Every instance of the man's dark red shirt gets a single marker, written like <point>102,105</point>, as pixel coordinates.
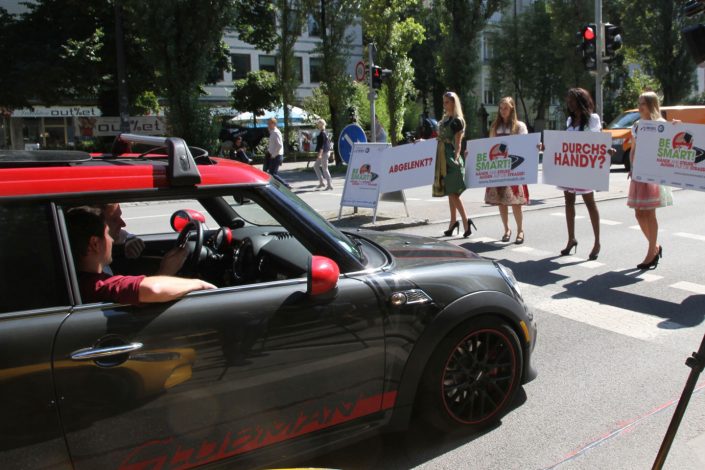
<point>102,287</point>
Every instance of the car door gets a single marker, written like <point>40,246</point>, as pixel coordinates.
<point>216,374</point>
<point>34,300</point>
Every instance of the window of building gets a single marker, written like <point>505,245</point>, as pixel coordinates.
<point>313,26</point>
<point>268,63</point>
<point>486,48</point>
<point>241,65</point>
<point>488,94</point>
<point>31,274</point>
<point>299,69</point>
<point>315,68</point>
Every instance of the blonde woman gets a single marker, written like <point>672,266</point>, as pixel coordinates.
<point>507,123</point>
<point>449,178</point>
<point>645,198</point>
<point>323,150</point>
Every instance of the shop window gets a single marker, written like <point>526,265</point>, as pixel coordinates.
<point>241,65</point>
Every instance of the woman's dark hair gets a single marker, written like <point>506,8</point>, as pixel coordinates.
<point>84,222</point>
<point>586,107</point>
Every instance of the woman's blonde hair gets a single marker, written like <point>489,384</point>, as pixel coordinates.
<point>512,125</point>
<point>457,108</point>
<point>652,102</point>
<point>321,123</point>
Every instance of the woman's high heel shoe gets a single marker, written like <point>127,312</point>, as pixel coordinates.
<point>594,254</point>
<point>453,228</point>
<point>653,264</point>
<point>471,225</point>
<point>569,248</point>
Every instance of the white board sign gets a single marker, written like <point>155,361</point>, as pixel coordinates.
<point>409,166</point>
<point>575,159</point>
<point>110,126</point>
<point>364,177</point>
<point>502,161</point>
<point>670,154</point>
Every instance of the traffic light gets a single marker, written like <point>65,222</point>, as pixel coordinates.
<point>613,41</point>
<point>378,76</point>
<point>588,46</point>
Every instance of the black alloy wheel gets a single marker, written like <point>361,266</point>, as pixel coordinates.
<point>472,376</point>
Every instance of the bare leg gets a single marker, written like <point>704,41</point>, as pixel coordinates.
<point>570,216</point>
<point>451,204</point>
<point>649,225</point>
<point>504,215</point>
<point>519,219</point>
<point>461,210</point>
<point>589,200</point>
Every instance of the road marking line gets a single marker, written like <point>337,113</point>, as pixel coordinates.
<point>691,236</point>
<point>531,251</point>
<point>606,317</point>
<point>591,264</point>
<point>609,222</point>
<point>568,259</point>
<point>482,239</point>
<point>562,214</point>
<point>689,287</point>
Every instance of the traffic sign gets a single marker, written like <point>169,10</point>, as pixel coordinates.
<point>351,134</point>
<point>360,71</point>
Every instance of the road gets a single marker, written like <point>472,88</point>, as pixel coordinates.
<point>611,346</point>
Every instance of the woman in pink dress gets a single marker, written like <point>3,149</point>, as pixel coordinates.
<point>507,123</point>
<point>645,198</point>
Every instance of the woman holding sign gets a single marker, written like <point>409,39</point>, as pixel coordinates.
<point>645,198</point>
<point>449,179</point>
<point>507,123</point>
<point>581,118</point>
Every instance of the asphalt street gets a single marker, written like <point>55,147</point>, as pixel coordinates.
<point>612,340</point>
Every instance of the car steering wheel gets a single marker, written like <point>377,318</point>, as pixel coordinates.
<point>191,262</point>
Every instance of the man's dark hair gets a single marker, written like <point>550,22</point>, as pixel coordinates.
<point>83,223</point>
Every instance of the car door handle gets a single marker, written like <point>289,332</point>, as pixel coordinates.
<point>97,353</point>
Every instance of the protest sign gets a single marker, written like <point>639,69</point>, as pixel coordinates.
<point>670,154</point>
<point>502,161</point>
<point>409,166</point>
<point>577,159</point>
<point>363,179</point>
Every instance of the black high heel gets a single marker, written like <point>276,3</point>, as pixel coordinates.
<point>594,254</point>
<point>471,225</point>
<point>569,248</point>
<point>653,264</point>
<point>453,228</point>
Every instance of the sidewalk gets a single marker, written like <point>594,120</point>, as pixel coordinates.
<point>423,209</point>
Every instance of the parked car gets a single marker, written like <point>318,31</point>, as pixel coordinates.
<point>313,337</point>
<point>620,128</point>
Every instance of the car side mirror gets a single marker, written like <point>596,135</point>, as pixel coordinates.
<point>322,276</point>
<point>183,217</point>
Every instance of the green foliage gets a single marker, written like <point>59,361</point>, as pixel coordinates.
<point>318,104</point>
<point>185,42</point>
<point>633,86</point>
<point>394,32</point>
<point>146,103</point>
<point>255,23</point>
<point>256,93</point>
<point>412,116</point>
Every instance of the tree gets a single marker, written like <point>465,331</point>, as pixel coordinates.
<point>394,33</point>
<point>465,19</point>
<point>256,93</point>
<point>336,18</point>
<point>424,56</point>
<point>185,41</point>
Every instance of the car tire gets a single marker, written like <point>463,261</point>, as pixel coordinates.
<point>626,161</point>
<point>472,376</point>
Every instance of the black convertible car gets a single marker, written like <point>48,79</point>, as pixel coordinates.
<point>313,337</point>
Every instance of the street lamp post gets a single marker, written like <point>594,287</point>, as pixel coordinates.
<point>123,104</point>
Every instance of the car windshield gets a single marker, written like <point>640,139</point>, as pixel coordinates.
<point>624,120</point>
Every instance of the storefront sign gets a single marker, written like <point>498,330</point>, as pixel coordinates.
<point>408,166</point>
<point>670,154</point>
<point>56,111</point>
<point>110,126</point>
<point>365,169</point>
<point>577,159</point>
<point>503,161</point>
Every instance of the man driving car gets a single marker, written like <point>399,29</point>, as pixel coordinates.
<point>131,245</point>
<point>92,245</point>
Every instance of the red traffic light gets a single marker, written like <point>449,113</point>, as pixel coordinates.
<point>588,33</point>
<point>377,72</point>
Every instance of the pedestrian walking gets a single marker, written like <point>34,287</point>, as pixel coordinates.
<point>581,117</point>
<point>275,151</point>
<point>645,198</point>
<point>449,179</point>
<point>323,152</point>
<point>507,123</point>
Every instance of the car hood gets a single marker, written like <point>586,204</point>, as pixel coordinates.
<point>412,251</point>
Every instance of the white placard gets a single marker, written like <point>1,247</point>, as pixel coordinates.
<point>409,166</point>
<point>502,161</point>
<point>56,111</point>
<point>110,126</point>
<point>670,154</point>
<point>364,177</point>
<point>575,159</point>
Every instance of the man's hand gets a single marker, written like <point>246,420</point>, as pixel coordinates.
<point>173,261</point>
<point>133,247</point>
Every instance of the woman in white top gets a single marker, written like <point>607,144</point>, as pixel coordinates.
<point>581,117</point>
<point>516,196</point>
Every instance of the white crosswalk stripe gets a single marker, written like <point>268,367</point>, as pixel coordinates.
<point>562,214</point>
<point>689,287</point>
<point>691,236</point>
<point>531,251</point>
<point>609,222</point>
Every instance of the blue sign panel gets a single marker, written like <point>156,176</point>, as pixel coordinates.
<point>351,134</point>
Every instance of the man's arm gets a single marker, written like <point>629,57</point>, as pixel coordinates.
<point>167,288</point>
